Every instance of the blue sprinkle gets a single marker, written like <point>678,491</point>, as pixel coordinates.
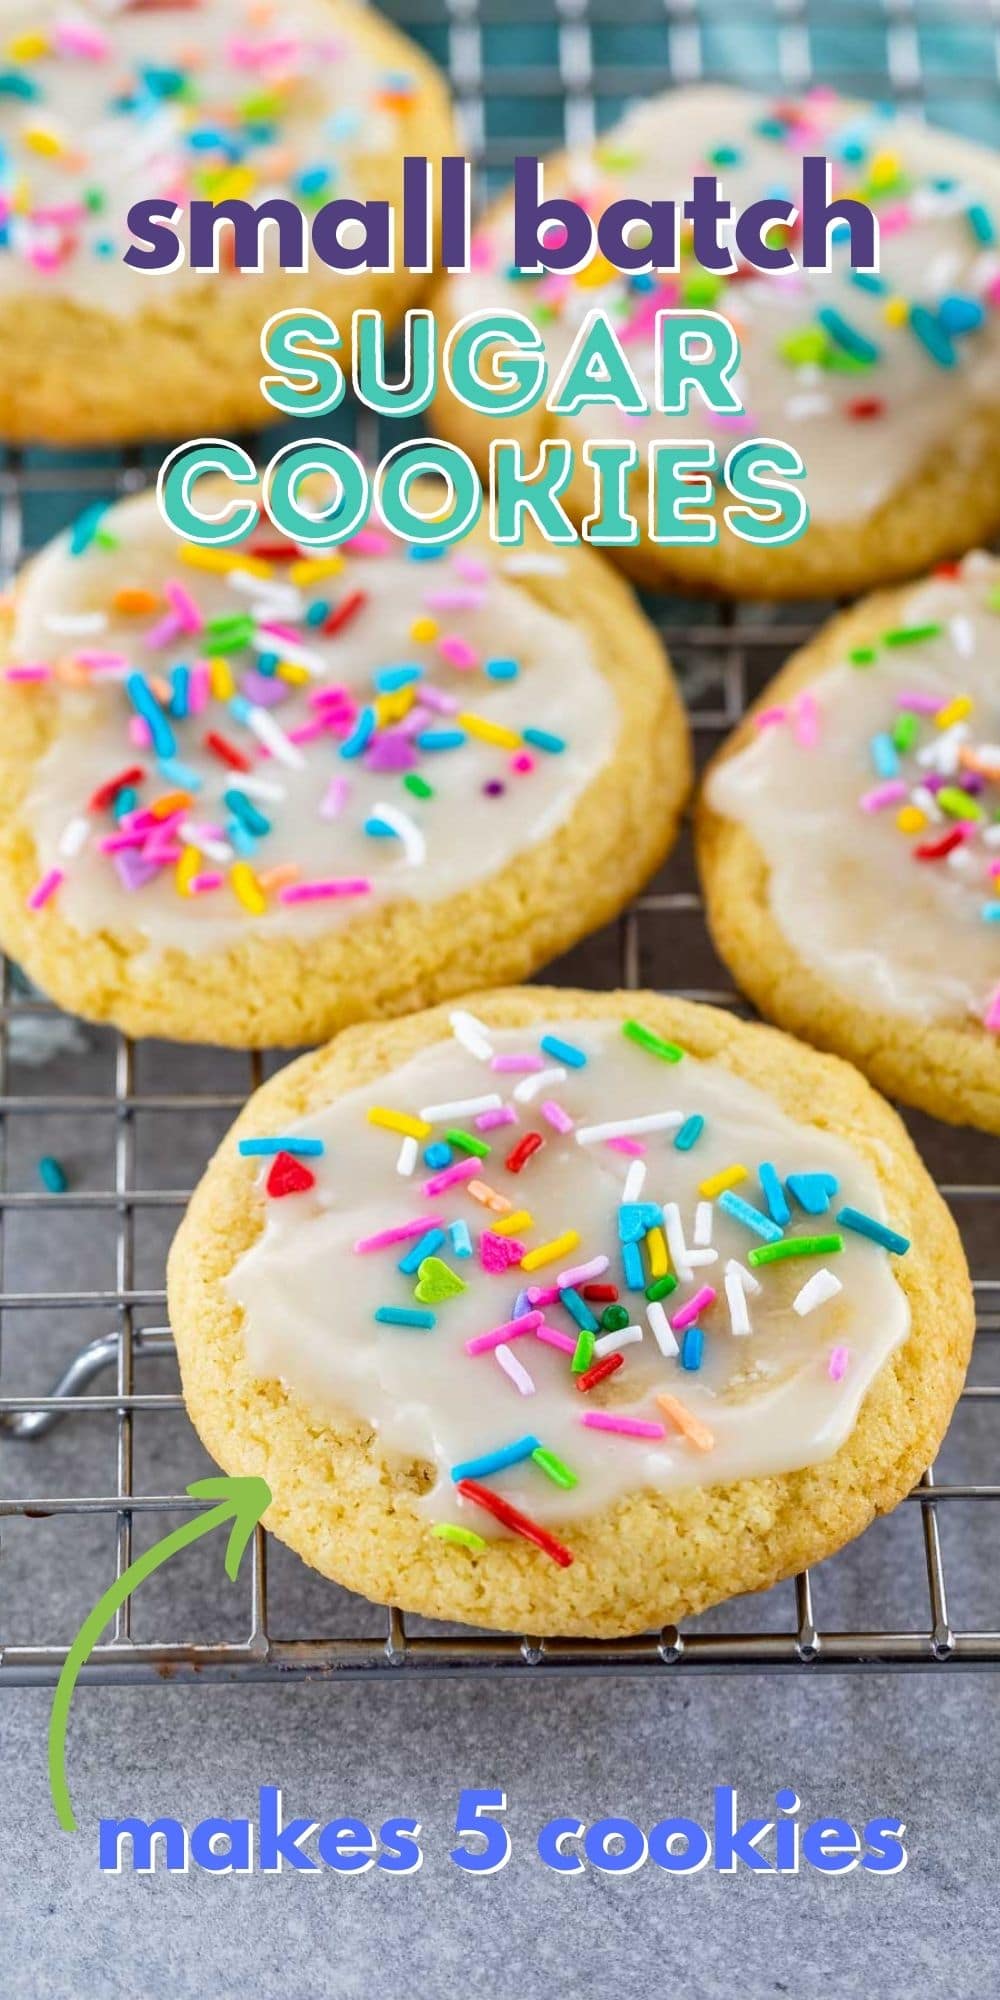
<point>869,281</point>
<point>361,734</point>
<point>424,552</point>
<point>245,810</point>
<point>380,828</point>
<point>751,1218</point>
<point>180,774</point>
<point>441,739</point>
<point>542,739</point>
<point>461,1241</point>
<point>241,837</point>
<point>578,1308</point>
<point>180,681</point>
<point>692,1348</point>
<point>884,756</point>
<point>267,664</point>
<point>405,1316</point>
<point>959,314</point>
<point>145,704</point>
<point>813,1192</point>
<point>318,612</point>
<point>690,1132</point>
<point>847,336</point>
<point>437,1155</point>
<point>522,1304</point>
<point>563,1052</point>
<point>635,1217</point>
<point>981,223</point>
<point>389,679</point>
<point>990,912</point>
<point>932,336</point>
<point>495,1461</point>
<point>53,1174</point>
<point>425,1247</point>
<point>124,801</point>
<point>502,670</point>
<point>285,1142</point>
<point>774,1194</point>
<point>635,1276</point>
<point>85,528</point>
<point>866,1225</point>
<point>239,707</point>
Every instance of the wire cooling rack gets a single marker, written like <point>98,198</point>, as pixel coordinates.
<point>96,1450</point>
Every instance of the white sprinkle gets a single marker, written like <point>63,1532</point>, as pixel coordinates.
<point>620,1128</point>
<point>536,1080</point>
<point>407,1155</point>
<point>472,1034</point>
<point>268,732</point>
<point>580,1274</point>
<point>815,1292</point>
<point>963,636</point>
<point>924,798</point>
<point>609,1343</point>
<point>530,564</point>
<point>206,843</point>
<point>659,1326</point>
<point>290,649</point>
<point>261,788</point>
<point>736,1299</point>
<point>675,1241</point>
<point>750,1284</point>
<point>75,624</point>
<point>634,1180</point>
<point>463,1107</point>
<point>703,1224</point>
<point>515,1369</point>
<point>406,830</point>
<point>334,799</point>
<point>74,836</point>
<point>696,1258</point>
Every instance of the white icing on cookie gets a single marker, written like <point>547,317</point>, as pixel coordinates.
<point>790,1347</point>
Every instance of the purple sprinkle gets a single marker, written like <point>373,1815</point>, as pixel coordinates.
<point>392,751</point>
<point>134,871</point>
<point>264,690</point>
<point>493,788</point>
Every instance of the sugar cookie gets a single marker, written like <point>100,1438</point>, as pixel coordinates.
<point>567,1312</point>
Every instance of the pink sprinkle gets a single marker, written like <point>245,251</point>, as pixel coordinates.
<point>199,688</point>
<point>308,732</point>
<point>369,542</point>
<point>471,567</point>
<point>522,762</point>
<point>28,673</point>
<point>457,652</point>
<point>183,604</point>
<point>100,661</point>
<point>512,1367</point>
<point>463,1170</point>
<point>543,1295</point>
<point>340,697</point>
<point>991,1018</point>
<point>502,1114</point>
<point>403,1232</point>
<point>805,721</point>
<point>559,1119</point>
<point>922,704</point>
<point>553,1338</point>
<point>581,1272</point>
<point>633,1427</point>
<point>314,892</point>
<point>889,794</point>
<point>167,629</point>
<point>688,1313</point>
<point>139,734</point>
<point>511,1064</point>
<point>482,252</point>
<point>432,697</point>
<point>456,598</point>
<point>78,38</point>
<point>498,1335</point>
<point>633,1147</point>
<point>993,290</point>
<point>892,221</point>
<point>334,799</point>
<point>200,883</point>
<point>767,717</point>
<point>45,888</point>
<point>838,1363</point>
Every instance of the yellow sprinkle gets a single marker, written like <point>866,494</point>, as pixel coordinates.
<point>233,185</point>
<point>656,1251</point>
<point>548,1253</point>
<point>488,732</point>
<point>423,630</point>
<point>489,1197</point>
<point>400,1121</point>
<point>224,560</point>
<point>691,1426</point>
<point>883,170</point>
<point>220,675</point>
<point>41,139</point>
<point>247,888</point>
<point>598,272</point>
<point>28,46</point>
<point>392,707</point>
<point>187,868</point>
<point>718,1183</point>
<point>954,711</point>
<point>910,819</point>
<point>520,1219</point>
<point>295,676</point>
<point>314,569</point>
<point>896,312</point>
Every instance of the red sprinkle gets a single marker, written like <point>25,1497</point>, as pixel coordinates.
<point>227,751</point>
<point>511,1517</point>
<point>288,1176</point>
<point>520,1154</point>
<point>864,407</point>
<point>275,551</point>
<point>110,789</point>
<point>343,612</point>
<point>935,850</point>
<point>599,1372</point>
<point>605,1295</point>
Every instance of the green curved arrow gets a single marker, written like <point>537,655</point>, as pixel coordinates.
<point>241,1502</point>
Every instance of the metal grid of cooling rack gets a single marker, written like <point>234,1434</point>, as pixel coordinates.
<point>725,650</point>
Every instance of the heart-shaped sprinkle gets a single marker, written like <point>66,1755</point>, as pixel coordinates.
<point>813,1192</point>
<point>436,1282</point>
<point>498,1253</point>
<point>288,1175</point>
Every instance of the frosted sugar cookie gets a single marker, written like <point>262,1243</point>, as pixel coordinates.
<point>103,106</point>
<point>849,843</point>
<point>568,1312</point>
<point>249,795</point>
<point>886,383</point>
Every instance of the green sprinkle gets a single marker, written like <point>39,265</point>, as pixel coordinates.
<point>905,730</point>
<point>795,1246</point>
<point>53,1174</point>
<point>959,804</point>
<point>554,1466</point>
<point>910,635</point>
<point>418,786</point>
<point>463,1538</point>
<point>808,348</point>
<point>667,1051</point>
<point>862,656</point>
<point>583,1353</point>
<point>661,1288</point>
<point>702,288</point>
<point>468,1142</point>
<point>613,1318</point>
